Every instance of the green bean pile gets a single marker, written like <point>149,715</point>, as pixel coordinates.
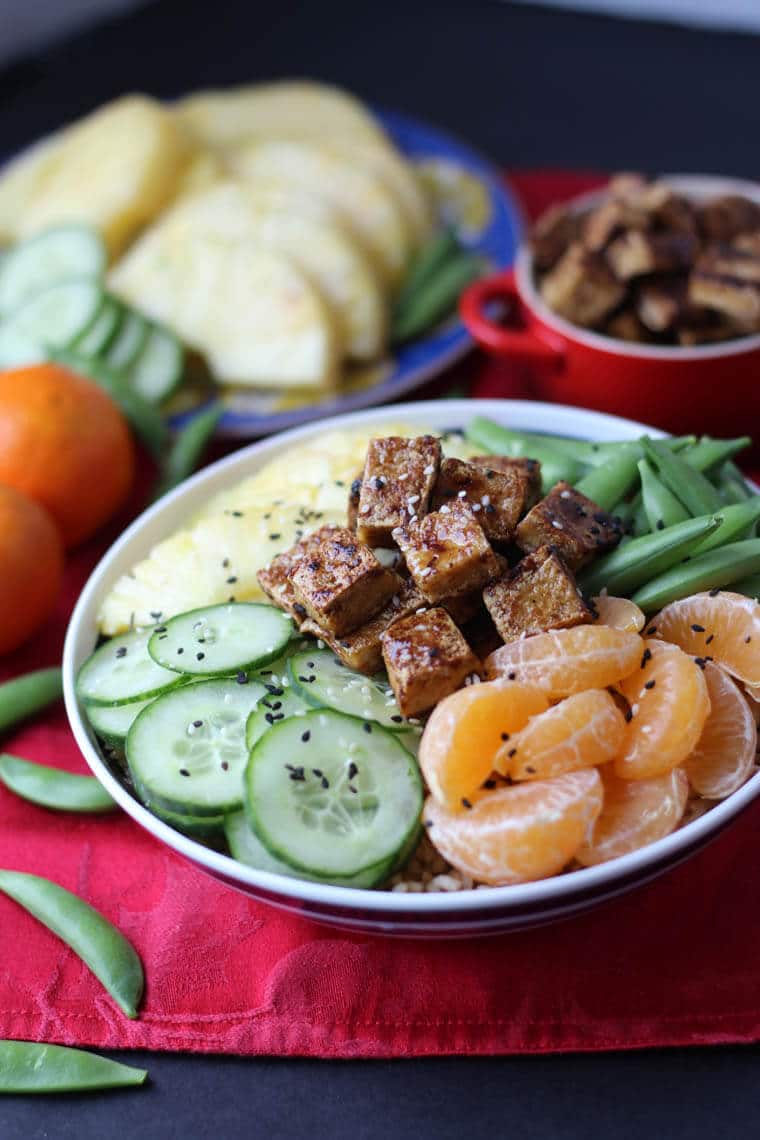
<point>690,515</point>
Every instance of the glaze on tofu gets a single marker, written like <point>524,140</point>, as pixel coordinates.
<point>447,553</point>
<point>527,471</point>
<point>362,650</point>
<point>539,594</point>
<point>341,584</point>
<point>275,578</point>
<point>427,658</point>
<point>497,497</point>
<point>398,479</point>
<point>567,520</point>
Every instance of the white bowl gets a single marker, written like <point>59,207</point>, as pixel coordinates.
<point>462,914</point>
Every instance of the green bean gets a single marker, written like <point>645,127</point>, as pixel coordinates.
<point>496,440</point>
<point>430,259</point>
<point>737,522</point>
<point>52,787</point>
<point>100,945</point>
<point>28,694</point>
<point>436,297</point>
<point>639,559</point>
<point>661,506</point>
<point>714,570</point>
<point>610,482</point>
<point>28,1067</point>
<point>521,444</point>
<point>187,449</point>
<point>731,484</point>
<point>595,454</point>
<point>707,453</point>
<point>749,586</point>
<point>694,489</point>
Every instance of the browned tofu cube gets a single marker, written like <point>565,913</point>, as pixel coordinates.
<point>581,287</point>
<point>728,280</point>
<point>540,593</point>
<point>552,234</point>
<point>567,520</point>
<point>276,578</point>
<point>427,658</point>
<point>626,325</point>
<point>463,607</point>
<point>352,511</point>
<point>634,253</point>
<point>399,475</point>
<point>526,473</point>
<point>725,217</point>
<point>341,584</point>
<point>447,552</point>
<point>362,650</point>
<point>496,497</point>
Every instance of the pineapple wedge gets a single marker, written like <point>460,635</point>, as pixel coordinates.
<point>20,179</point>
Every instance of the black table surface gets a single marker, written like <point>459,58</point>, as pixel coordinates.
<point>533,88</point>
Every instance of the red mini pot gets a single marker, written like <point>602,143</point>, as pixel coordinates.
<point>711,388</point>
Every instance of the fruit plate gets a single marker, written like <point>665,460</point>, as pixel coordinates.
<point>473,195</point>
<point>463,914</point>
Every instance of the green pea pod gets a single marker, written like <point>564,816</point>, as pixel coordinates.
<point>640,524</point>
<point>427,263</point>
<point>28,1067</point>
<point>736,523</point>
<point>522,444</point>
<point>29,694</point>
<point>491,437</point>
<point>100,945</point>
<point>694,489</point>
<point>714,570</point>
<point>748,586</point>
<point>637,560</point>
<point>731,484</point>
<point>436,298</point>
<point>52,787</point>
<point>610,482</point>
<point>187,449</point>
<point>707,453</point>
<point>661,506</point>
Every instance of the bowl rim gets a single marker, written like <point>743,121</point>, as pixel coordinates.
<point>436,414</point>
<point>695,185</point>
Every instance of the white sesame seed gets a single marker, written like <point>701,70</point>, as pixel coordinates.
<point>404,475</point>
<point>634,710</point>
<point>486,500</point>
<point>557,525</point>
<point>320,643</point>
<point>396,601</point>
<point>565,494</point>
<point>461,494</point>
<point>476,507</point>
<point>421,610</point>
<point>413,499</point>
<point>445,510</point>
<point>429,469</point>
<point>646,728</point>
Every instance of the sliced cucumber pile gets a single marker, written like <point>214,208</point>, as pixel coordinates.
<point>271,709</point>
<point>221,639</point>
<point>113,722</point>
<point>122,671</point>
<point>323,680</point>
<point>53,298</point>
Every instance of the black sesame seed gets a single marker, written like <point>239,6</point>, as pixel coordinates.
<point>714,592</point>
<point>184,772</point>
<point>242,678</point>
<point>352,770</point>
<point>180,650</point>
<point>427,823</point>
<point>325,782</point>
<point>351,788</point>
<point>225,563</point>
<point>275,536</point>
<point>297,775</point>
<point>231,598</point>
<point>306,736</point>
<point>273,690</point>
<point>659,525</point>
<point>530,770</point>
<point>231,580</point>
<point>367,726</point>
<point>269,718</point>
<point>747,639</point>
<point>700,661</point>
<point>646,656</point>
<point>511,676</point>
<point>709,639</point>
<point>277,705</point>
<point>318,772</point>
<point>396,718</point>
<point>197,724</point>
<point>160,629</point>
<point>628,717</point>
<point>652,631</point>
<point>698,628</point>
<point>512,752</point>
<point>300,678</point>
<point>505,736</point>
<point>487,785</point>
<point>121,651</point>
<point>199,656</point>
<point>156,614</point>
<point>650,684</point>
<point>466,803</point>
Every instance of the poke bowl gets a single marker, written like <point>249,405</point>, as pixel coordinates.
<point>132,565</point>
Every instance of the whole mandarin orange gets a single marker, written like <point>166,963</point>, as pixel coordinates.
<point>31,565</point>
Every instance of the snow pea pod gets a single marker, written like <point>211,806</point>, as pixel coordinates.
<point>187,449</point>
<point>737,521</point>
<point>731,484</point>
<point>100,945</point>
<point>637,560</point>
<point>24,696</point>
<point>28,1067</point>
<point>708,453</point>
<point>52,787</point>
<point>714,570</point>
<point>496,440</point>
<point>436,297</point>
<point>661,506</point>
<point>610,482</point>
<point>430,259</point>
<point>694,489</point>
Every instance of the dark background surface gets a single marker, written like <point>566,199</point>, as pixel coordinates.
<point>532,88</point>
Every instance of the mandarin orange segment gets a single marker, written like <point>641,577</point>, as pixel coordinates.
<point>619,613</point>
<point>580,732</point>
<point>669,704</point>
<point>568,661</point>
<point>635,813</point>
<point>724,627</point>
<point>520,833</point>
<point>465,731</point>
<point>725,753</point>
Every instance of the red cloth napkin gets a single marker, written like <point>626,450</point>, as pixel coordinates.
<point>672,963</point>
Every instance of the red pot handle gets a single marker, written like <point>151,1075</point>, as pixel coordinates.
<point>526,341</point>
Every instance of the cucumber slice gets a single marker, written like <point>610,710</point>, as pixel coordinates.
<point>129,340</point>
<point>221,639</point>
<point>157,370</point>
<point>246,847</point>
<point>197,826</point>
<point>271,709</point>
<point>17,348</point>
<point>122,671</point>
<point>113,722</point>
<point>59,254</point>
<point>186,751</point>
<point>58,317</point>
<point>331,795</point>
<point>323,679</point>
<point>96,339</point>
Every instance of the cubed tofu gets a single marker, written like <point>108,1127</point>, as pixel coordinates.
<point>341,584</point>
<point>723,218</point>
<point>581,287</point>
<point>635,254</point>
<point>497,497</point>
<point>728,280</point>
<point>276,578</point>
<point>399,475</point>
<point>540,593</point>
<point>362,650</point>
<point>552,234</point>
<point>427,658</point>
<point>528,471</point>
<point>567,520</point>
<point>447,552</point>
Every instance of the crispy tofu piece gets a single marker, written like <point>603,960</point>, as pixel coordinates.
<point>567,520</point>
<point>496,497</point>
<point>728,281</point>
<point>447,552</point>
<point>463,607</point>
<point>748,243</point>
<point>352,510</point>
<point>539,594</point>
<point>362,650</point>
<point>275,578</point>
<point>626,325</point>
<point>341,584</point>
<point>635,253</point>
<point>527,470</point>
<point>608,221</point>
<point>427,658</point>
<point>581,287</point>
<point>399,475</point>
<point>722,219</point>
<point>552,234</point>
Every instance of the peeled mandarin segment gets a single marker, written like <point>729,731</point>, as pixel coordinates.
<point>619,613</point>
<point>520,833</point>
<point>465,731</point>
<point>568,661</point>
<point>580,732</point>
<point>635,813</point>
<point>724,627</point>
<point>725,753</point>
<point>669,705</point>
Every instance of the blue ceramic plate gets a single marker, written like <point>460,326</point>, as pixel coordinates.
<point>471,194</point>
